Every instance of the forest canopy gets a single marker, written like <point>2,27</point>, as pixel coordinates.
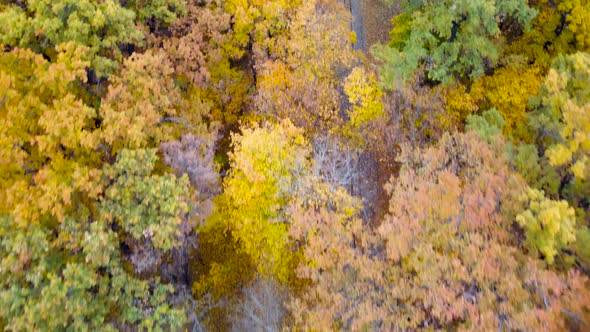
<point>250,165</point>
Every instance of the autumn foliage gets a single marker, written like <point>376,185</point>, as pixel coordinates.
<point>177,165</point>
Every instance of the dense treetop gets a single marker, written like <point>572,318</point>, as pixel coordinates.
<point>176,165</point>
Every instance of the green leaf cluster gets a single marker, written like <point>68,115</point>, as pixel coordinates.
<point>488,125</point>
<point>146,206</point>
<point>99,25</point>
<point>450,40</point>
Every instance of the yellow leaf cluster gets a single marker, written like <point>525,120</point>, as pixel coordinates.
<point>47,136</point>
<point>266,165</point>
<point>361,88</point>
<point>138,100</point>
<point>508,90</point>
<point>549,225</point>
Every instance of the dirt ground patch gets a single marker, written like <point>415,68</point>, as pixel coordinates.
<point>376,18</point>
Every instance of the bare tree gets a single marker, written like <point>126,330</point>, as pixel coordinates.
<point>262,308</point>
<point>335,162</point>
<point>193,155</point>
<point>198,310</point>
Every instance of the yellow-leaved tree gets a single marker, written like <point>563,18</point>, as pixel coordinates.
<point>250,217</point>
<point>47,138</point>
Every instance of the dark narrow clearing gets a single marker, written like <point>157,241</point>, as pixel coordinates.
<point>368,17</point>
